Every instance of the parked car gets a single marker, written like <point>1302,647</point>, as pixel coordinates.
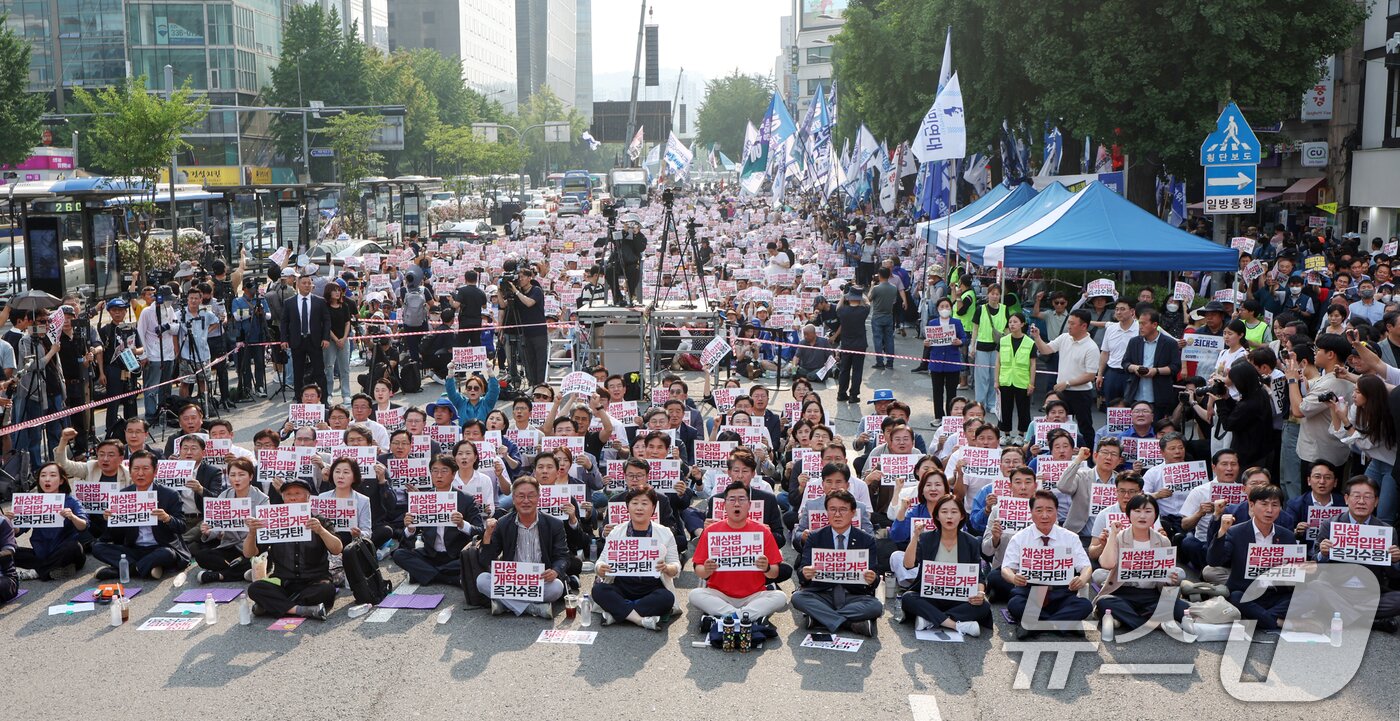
<point>479,230</point>
<point>535,218</point>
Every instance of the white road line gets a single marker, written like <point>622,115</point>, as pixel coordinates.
<point>924,708</point>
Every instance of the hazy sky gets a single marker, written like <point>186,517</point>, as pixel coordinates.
<point>708,38</point>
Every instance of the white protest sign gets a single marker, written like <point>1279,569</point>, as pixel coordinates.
<point>339,511</point>
<point>1281,562</point>
<point>1182,477</point>
<point>131,508</point>
<point>948,581</point>
<point>37,510</point>
<point>286,523</point>
<point>227,514</point>
<point>1047,566</point>
<point>515,581</point>
<point>735,551</point>
<point>1355,543</point>
<point>301,415</point>
<point>432,508</point>
<point>1202,348</point>
<point>1151,565</point>
<point>580,383</point>
<point>93,495</point>
<point>173,474</point>
<point>634,557</point>
<point>848,567</point>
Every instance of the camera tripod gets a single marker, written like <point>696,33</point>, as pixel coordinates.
<point>689,249</point>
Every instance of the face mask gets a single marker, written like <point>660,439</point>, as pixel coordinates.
<point>1173,307</point>
<point>944,313</point>
<point>1385,298</point>
<point>1295,289</point>
<point>1367,293</point>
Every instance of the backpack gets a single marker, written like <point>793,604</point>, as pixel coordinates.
<point>362,572</point>
<point>415,307</point>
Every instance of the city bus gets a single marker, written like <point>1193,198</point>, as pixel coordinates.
<point>577,183</point>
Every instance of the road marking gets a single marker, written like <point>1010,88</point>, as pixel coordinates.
<point>924,708</point>
<point>1144,669</point>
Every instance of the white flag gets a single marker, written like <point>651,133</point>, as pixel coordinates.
<point>634,149</point>
<point>587,137</point>
<point>943,134</point>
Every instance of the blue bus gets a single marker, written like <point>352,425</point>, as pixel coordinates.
<point>577,184</point>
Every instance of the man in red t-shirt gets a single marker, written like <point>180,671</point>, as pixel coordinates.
<point>732,586</point>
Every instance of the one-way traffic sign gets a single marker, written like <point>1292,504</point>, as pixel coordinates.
<point>1230,188</point>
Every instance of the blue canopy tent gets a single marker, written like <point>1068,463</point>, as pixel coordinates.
<point>941,233</point>
<point>928,230</point>
<point>1100,229</point>
<point>974,239</point>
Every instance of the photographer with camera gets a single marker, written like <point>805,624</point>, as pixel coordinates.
<point>156,329</point>
<point>250,315</point>
<point>118,337</point>
<point>1313,406</point>
<point>628,247</point>
<point>524,302</point>
<point>76,357</point>
<point>194,325</point>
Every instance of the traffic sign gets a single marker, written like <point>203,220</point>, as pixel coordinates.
<point>1233,142</point>
<point>1230,188</point>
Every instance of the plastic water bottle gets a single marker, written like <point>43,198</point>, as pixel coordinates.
<point>891,589</point>
<point>1106,632</point>
<point>444,615</point>
<point>1336,630</point>
<point>116,612</point>
<point>245,612</point>
<point>124,570</point>
<point>211,610</point>
<point>585,610</point>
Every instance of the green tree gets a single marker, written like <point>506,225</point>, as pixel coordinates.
<point>319,61</point>
<point>546,107</point>
<point>134,133</point>
<point>394,81</point>
<point>457,104</point>
<point>19,109</point>
<point>349,136</point>
<point>460,152</point>
<point>730,103</point>
<point>1151,76</point>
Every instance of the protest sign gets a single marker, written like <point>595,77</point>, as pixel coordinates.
<point>1119,420</point>
<point>301,415</point>
<point>837,643</point>
<point>276,466</point>
<point>561,635</point>
<point>555,500</point>
<point>818,518</point>
<point>93,495</point>
<point>216,453</point>
<point>980,466</point>
<point>364,456</point>
<point>715,351</point>
<point>574,443</point>
<point>538,413</point>
<point>614,477</point>
<point>846,567</point>
<point>1318,514</point>
<point>940,335</point>
<point>713,454</point>
<point>664,475</point>
<point>1202,348</point>
<point>735,551</point>
<point>618,513</point>
<point>131,508</point>
<point>391,419</point>
<point>1281,562</point>
<point>579,382</point>
<point>1043,428</point>
<point>1050,472</point>
<point>340,512</point>
<point>896,469</point>
<point>227,514</point>
<point>871,424</point>
<point>1101,496</point>
<point>516,581</point>
<point>1047,565</point>
<point>634,557</point>
<point>1255,269</point>
<point>328,439</point>
<point>659,395</point>
<point>1182,477</point>
<point>526,441</point>
<point>433,508</point>
<point>173,474</point>
<point>1147,451</point>
<point>469,359</point>
<point>286,523</point>
<point>1243,244</point>
<point>170,624</point>
<point>1355,543</point>
<point>1183,292</point>
<point>749,435</point>
<point>808,461</point>
<point>948,581</point>
<point>724,399</point>
<point>1230,493</point>
<point>1014,514</point>
<point>1100,288</point>
<point>445,436</point>
<point>1151,565</point>
<point>37,510</point>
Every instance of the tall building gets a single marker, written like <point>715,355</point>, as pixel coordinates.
<point>816,22</point>
<point>1375,167</point>
<point>583,64</point>
<point>225,49</point>
<point>480,32</point>
<point>545,47</point>
<point>370,18</point>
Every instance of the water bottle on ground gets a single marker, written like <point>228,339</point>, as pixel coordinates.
<point>211,610</point>
<point>124,570</point>
<point>1336,630</point>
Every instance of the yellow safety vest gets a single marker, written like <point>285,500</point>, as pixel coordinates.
<point>992,323</point>
<point>1015,363</point>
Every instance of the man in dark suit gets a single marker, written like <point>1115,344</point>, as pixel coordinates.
<point>306,324</point>
<point>1151,379</point>
<point>1351,597</point>
<point>440,558</point>
<point>832,604</point>
<point>151,550</point>
<point>526,536</point>
<point>1229,547</point>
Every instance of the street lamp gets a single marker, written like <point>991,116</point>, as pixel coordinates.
<point>555,132</point>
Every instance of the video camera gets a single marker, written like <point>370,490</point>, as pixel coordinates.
<point>668,198</point>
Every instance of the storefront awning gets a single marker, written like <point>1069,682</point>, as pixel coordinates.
<point>1303,191</point>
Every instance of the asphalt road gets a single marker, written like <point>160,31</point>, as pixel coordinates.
<point>476,665</point>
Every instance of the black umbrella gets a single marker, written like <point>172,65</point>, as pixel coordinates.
<point>32,300</point>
